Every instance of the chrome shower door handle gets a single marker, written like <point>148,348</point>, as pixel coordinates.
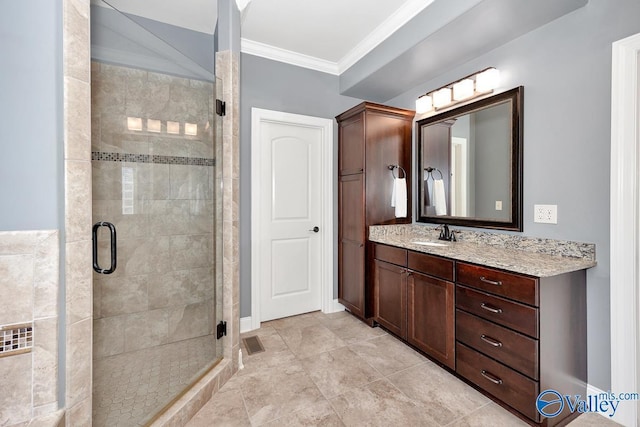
<point>112,232</point>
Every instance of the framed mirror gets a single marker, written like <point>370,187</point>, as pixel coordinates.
<point>469,166</point>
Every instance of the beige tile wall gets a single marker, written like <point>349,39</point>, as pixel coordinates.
<point>227,69</point>
<point>29,277</point>
<point>77,188</point>
<point>77,242</point>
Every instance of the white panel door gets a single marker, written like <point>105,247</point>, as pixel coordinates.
<point>290,206</point>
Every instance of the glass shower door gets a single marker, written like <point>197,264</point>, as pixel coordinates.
<point>155,178</point>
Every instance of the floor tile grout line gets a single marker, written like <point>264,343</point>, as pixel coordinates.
<point>466,415</point>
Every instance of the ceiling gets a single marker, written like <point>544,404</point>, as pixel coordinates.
<point>378,48</point>
<point>329,34</point>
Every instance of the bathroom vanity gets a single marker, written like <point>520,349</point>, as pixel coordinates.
<point>505,313</point>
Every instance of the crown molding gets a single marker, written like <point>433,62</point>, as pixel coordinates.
<point>242,4</point>
<point>289,57</point>
<point>383,31</point>
<point>400,17</point>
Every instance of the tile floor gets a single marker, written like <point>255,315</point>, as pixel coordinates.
<point>130,388</point>
<point>333,370</point>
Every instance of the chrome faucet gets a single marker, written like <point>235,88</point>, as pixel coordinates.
<point>446,234</point>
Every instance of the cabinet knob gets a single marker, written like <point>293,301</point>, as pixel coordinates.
<point>315,229</point>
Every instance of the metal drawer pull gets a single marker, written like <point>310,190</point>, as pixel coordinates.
<point>494,342</point>
<point>487,307</point>
<point>491,282</point>
<point>491,377</point>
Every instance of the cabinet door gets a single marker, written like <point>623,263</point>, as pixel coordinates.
<point>351,146</point>
<point>351,208</point>
<point>351,277</point>
<point>390,296</point>
<point>431,317</point>
<point>388,142</point>
<point>351,250</point>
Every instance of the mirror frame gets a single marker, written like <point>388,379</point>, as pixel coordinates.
<point>515,96</point>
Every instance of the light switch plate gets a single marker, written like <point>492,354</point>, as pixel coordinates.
<point>546,214</point>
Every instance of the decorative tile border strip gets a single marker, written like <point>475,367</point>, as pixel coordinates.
<point>151,158</point>
<point>16,339</point>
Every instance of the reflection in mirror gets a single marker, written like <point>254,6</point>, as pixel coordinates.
<point>470,164</point>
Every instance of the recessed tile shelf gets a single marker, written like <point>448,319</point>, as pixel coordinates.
<point>16,339</point>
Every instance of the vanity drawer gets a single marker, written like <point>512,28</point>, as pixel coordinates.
<point>507,313</point>
<point>431,265</point>
<point>511,387</point>
<point>509,347</point>
<point>508,285</point>
<point>391,254</point>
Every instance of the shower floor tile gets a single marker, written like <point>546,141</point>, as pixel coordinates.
<point>130,388</point>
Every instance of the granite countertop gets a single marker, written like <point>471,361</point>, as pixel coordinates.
<point>517,255</point>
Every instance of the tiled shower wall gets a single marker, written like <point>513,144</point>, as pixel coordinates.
<point>77,239</point>
<point>153,174</point>
<point>29,277</point>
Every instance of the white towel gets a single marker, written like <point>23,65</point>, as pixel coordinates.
<point>439,198</point>
<point>399,197</point>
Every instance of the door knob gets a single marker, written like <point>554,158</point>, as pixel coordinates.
<point>315,229</point>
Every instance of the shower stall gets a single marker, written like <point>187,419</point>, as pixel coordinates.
<point>157,212</point>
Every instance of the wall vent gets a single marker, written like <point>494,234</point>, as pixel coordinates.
<point>16,339</point>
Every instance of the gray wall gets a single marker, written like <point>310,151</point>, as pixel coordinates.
<point>565,68</point>
<point>146,44</point>
<point>31,116</point>
<point>277,86</point>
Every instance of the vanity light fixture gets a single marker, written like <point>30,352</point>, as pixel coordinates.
<point>477,84</point>
<point>442,97</point>
<point>487,80</point>
<point>424,104</point>
<point>463,90</point>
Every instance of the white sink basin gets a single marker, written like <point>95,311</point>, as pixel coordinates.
<point>429,243</point>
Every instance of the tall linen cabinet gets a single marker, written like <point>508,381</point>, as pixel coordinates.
<point>371,138</point>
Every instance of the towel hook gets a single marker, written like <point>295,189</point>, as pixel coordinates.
<point>393,167</point>
<point>429,170</point>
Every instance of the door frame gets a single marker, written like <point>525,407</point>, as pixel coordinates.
<point>625,237</point>
<point>258,116</point>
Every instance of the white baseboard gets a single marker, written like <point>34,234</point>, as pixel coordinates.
<point>337,306</point>
<point>245,324</point>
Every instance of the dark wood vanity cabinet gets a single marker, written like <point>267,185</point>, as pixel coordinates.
<point>414,299</point>
<point>370,138</point>
<point>512,335</point>
<point>518,335</point>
